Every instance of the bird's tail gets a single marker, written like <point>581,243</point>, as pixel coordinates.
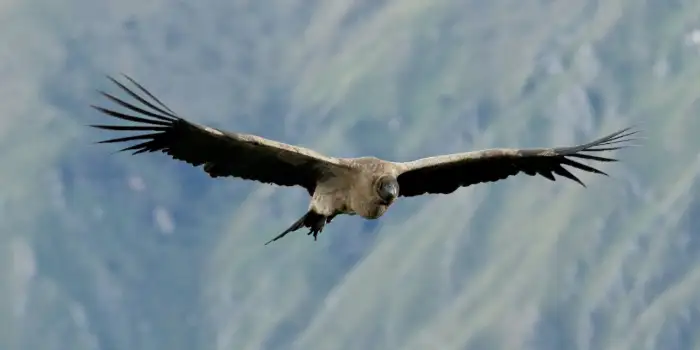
<point>311,219</point>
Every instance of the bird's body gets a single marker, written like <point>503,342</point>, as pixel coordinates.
<point>365,186</point>
<point>355,193</point>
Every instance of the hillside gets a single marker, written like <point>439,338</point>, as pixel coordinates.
<point>110,251</point>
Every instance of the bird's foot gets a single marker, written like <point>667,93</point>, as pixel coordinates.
<point>317,228</point>
<point>312,220</point>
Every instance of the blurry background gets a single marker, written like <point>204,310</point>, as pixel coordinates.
<point>109,251</point>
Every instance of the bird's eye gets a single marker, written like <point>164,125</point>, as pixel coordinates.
<point>381,185</point>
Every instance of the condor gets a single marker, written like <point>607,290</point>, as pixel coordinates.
<point>365,186</point>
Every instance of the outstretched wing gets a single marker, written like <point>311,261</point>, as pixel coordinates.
<point>446,173</point>
<point>221,153</point>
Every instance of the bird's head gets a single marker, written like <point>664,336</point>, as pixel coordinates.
<point>387,189</point>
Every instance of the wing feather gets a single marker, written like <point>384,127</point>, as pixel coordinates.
<point>446,173</point>
<point>222,153</point>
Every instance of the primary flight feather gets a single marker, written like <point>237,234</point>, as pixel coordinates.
<point>364,186</point>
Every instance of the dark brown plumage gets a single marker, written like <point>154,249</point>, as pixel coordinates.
<point>365,186</point>
<point>222,153</point>
<point>445,174</point>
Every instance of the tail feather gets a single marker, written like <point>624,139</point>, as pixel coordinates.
<point>311,219</point>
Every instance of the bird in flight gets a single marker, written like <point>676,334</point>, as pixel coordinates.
<point>364,186</point>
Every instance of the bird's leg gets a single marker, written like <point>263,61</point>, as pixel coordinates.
<point>311,219</point>
<point>317,227</point>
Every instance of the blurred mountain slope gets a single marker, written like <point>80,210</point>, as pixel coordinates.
<point>110,251</point>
